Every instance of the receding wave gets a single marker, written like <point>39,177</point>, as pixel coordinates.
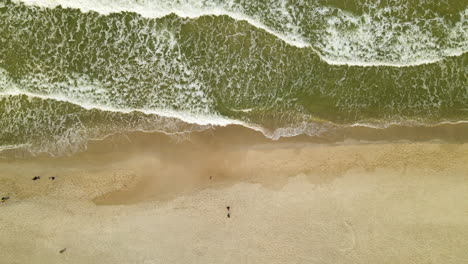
<point>371,33</point>
<point>57,127</point>
<point>187,117</point>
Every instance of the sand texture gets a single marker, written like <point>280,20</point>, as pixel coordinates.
<point>162,199</point>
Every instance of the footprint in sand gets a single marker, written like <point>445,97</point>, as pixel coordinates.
<point>351,236</point>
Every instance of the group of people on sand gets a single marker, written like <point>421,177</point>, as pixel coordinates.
<point>35,178</point>
<point>39,177</point>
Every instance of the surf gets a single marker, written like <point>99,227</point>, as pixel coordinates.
<point>343,39</point>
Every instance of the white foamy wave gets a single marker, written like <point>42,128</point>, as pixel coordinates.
<point>304,128</point>
<point>376,38</point>
<point>191,118</point>
<point>380,39</point>
<point>79,95</point>
<point>158,9</point>
<point>10,147</point>
<point>405,123</point>
<point>75,96</point>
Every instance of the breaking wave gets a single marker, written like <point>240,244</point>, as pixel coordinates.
<point>375,33</point>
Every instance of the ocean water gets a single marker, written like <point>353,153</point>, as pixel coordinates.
<point>71,71</point>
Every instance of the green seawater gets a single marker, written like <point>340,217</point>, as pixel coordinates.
<point>71,73</point>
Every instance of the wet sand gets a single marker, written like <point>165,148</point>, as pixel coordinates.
<point>153,198</point>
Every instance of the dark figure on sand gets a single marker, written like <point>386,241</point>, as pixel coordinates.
<point>36,178</point>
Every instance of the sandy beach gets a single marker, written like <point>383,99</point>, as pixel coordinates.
<point>153,198</point>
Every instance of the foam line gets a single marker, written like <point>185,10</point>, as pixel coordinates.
<point>10,147</point>
<point>184,116</point>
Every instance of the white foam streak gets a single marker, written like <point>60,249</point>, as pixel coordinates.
<point>200,119</point>
<point>380,63</point>
<point>409,123</point>
<point>9,147</point>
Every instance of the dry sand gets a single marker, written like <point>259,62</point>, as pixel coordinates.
<point>151,198</point>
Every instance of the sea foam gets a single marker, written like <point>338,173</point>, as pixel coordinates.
<point>375,38</point>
